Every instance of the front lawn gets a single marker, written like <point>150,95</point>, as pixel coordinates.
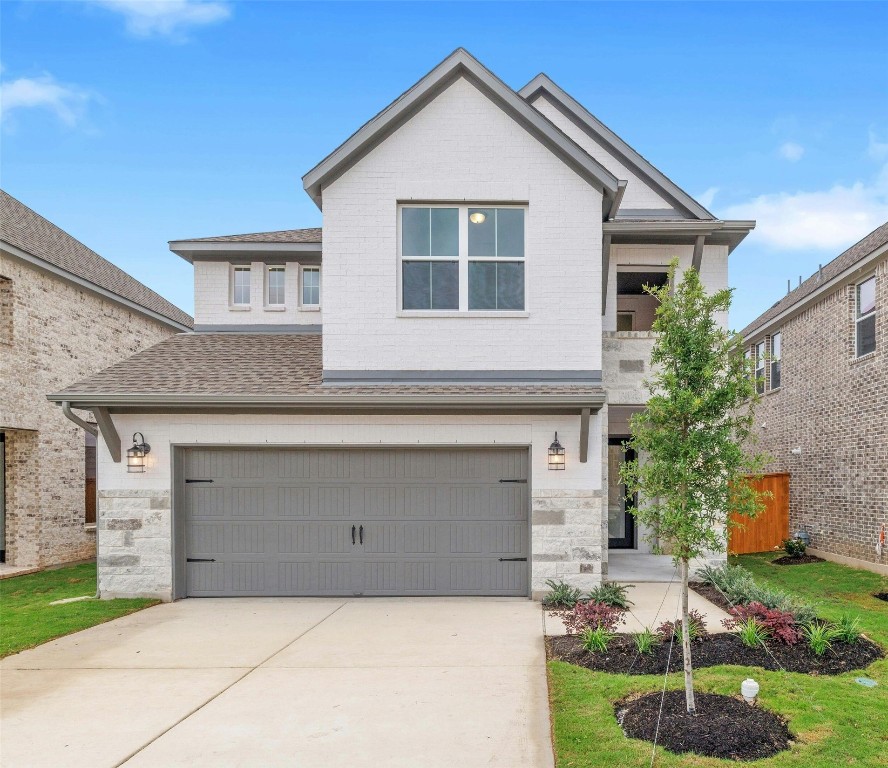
<point>836,722</point>
<point>27,618</point>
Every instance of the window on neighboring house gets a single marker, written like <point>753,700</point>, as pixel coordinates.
<point>240,286</point>
<point>6,310</point>
<point>444,247</point>
<point>89,467</point>
<point>311,287</point>
<point>760,367</point>
<point>866,317</point>
<point>776,344</point>
<point>274,286</point>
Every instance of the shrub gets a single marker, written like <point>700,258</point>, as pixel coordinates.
<point>591,615</point>
<point>751,633</point>
<point>695,625</point>
<point>778,624</point>
<point>848,629</point>
<point>610,593</point>
<point>819,636</point>
<point>646,640</point>
<point>562,595</point>
<point>794,547</point>
<point>737,584</point>
<point>596,639</point>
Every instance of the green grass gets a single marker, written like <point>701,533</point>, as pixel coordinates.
<point>836,722</point>
<point>27,618</point>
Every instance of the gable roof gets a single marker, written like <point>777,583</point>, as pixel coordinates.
<point>27,235</point>
<point>823,279</point>
<point>460,63</point>
<point>587,122</point>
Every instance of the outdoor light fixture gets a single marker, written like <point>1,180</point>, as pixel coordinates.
<point>477,217</point>
<point>135,456</point>
<point>556,454</point>
<point>749,688</point>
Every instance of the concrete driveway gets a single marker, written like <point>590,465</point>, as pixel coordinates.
<point>287,682</point>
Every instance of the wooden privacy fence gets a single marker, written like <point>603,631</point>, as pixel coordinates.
<point>771,527</point>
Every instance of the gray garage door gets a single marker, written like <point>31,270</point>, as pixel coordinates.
<point>354,522</point>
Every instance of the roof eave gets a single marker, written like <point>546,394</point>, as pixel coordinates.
<point>459,64</point>
<point>189,250</point>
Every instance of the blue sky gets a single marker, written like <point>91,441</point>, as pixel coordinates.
<point>129,123</point>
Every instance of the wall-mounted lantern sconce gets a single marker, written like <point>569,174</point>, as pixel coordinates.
<point>556,454</point>
<point>135,456</point>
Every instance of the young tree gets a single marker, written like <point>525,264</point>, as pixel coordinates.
<point>690,437</point>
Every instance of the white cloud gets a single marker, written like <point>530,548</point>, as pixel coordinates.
<point>67,102</point>
<point>166,18</point>
<point>830,220</point>
<point>791,151</point>
<point>707,198</point>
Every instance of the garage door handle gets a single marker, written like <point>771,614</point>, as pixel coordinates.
<point>361,534</point>
<point>198,481</point>
<point>514,481</point>
<point>513,559</point>
<point>200,559</point>
<point>353,535</point>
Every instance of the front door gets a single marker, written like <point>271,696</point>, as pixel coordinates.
<point>620,520</point>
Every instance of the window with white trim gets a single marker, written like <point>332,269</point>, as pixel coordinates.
<point>760,367</point>
<point>465,258</point>
<point>865,319</point>
<point>311,287</point>
<point>240,286</point>
<point>275,290</point>
<point>776,347</point>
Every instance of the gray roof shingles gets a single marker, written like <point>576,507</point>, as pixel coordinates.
<point>245,364</point>
<point>310,235</point>
<point>29,231</point>
<point>857,252</point>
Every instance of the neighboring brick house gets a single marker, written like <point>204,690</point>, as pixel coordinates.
<point>822,353</point>
<point>64,312</point>
<point>377,408</point>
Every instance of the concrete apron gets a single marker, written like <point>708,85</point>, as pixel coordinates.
<point>287,682</point>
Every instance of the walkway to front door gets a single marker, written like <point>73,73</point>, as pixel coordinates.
<point>314,683</point>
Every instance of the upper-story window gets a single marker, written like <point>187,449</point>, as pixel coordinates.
<point>776,348</point>
<point>462,258</point>
<point>311,287</point>
<point>760,367</point>
<point>240,286</point>
<point>866,317</point>
<point>275,290</point>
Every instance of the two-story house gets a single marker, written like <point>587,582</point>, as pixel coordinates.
<point>821,360</point>
<point>64,313</point>
<point>427,399</point>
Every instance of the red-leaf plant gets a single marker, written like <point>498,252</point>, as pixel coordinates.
<point>591,615</point>
<point>780,625</point>
<point>696,621</point>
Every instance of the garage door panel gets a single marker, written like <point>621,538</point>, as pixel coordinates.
<point>434,521</point>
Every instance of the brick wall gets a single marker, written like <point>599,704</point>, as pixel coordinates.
<point>54,334</point>
<point>833,409</point>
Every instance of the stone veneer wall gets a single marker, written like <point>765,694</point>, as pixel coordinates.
<point>134,531</point>
<point>54,333</point>
<point>832,406</point>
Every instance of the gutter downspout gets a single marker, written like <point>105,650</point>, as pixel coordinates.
<point>94,431</point>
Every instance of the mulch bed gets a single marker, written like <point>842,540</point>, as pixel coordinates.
<point>723,727</point>
<point>622,656</point>
<point>712,595</point>
<point>881,596</point>
<point>803,560</point>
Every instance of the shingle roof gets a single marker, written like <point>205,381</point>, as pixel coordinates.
<point>860,250</point>
<point>29,231</point>
<point>310,235</point>
<point>234,364</point>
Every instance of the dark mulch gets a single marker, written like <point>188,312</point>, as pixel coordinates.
<point>723,727</point>
<point>787,560</point>
<point>881,596</point>
<point>622,657</point>
<point>712,595</point>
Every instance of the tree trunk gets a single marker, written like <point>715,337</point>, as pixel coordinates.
<point>686,639</point>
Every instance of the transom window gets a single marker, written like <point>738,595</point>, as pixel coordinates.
<point>275,281</point>
<point>776,344</point>
<point>866,317</point>
<point>760,367</point>
<point>240,286</point>
<point>311,287</point>
<point>462,258</point>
